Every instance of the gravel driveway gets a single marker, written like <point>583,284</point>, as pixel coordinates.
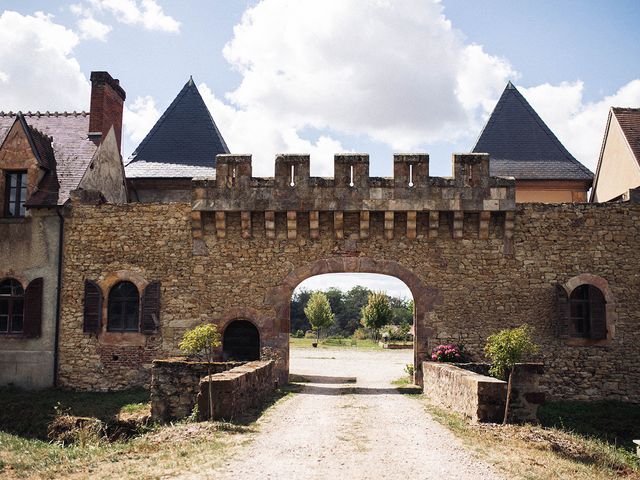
<point>362,430</point>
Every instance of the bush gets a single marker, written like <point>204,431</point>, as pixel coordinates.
<point>360,334</point>
<point>299,334</point>
<point>448,353</point>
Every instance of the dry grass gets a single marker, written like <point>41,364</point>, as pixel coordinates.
<point>526,452</point>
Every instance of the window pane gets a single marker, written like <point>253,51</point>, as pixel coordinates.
<point>18,307</point>
<point>4,306</point>
<point>4,323</point>
<point>23,180</point>
<point>13,180</point>
<point>22,210</point>
<point>5,287</point>
<point>132,322</point>
<point>16,323</point>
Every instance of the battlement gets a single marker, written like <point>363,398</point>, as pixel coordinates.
<point>410,203</point>
<point>352,189</point>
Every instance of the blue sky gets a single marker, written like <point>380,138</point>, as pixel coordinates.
<point>322,76</point>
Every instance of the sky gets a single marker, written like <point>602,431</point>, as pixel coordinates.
<point>328,76</point>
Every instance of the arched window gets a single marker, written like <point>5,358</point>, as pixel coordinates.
<point>124,308</point>
<point>241,341</point>
<point>587,313</point>
<point>11,306</point>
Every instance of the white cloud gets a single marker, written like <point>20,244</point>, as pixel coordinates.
<point>138,119</point>
<point>90,28</point>
<point>578,124</point>
<point>396,72</point>
<point>146,13</point>
<point>346,281</point>
<point>36,55</point>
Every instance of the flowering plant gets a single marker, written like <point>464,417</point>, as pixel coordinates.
<point>448,353</point>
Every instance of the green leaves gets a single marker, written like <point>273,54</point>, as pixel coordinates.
<point>200,339</point>
<point>318,311</point>
<point>377,312</point>
<point>508,347</point>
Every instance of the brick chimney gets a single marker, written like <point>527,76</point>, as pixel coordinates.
<point>107,101</point>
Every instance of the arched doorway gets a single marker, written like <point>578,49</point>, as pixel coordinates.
<point>241,341</point>
<point>425,298</point>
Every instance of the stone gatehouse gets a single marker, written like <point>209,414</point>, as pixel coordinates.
<point>474,261</point>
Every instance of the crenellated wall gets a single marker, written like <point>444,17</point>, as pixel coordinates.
<point>239,251</point>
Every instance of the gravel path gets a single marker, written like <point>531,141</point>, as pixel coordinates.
<point>363,430</point>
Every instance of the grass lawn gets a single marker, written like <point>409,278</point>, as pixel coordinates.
<point>528,452</point>
<point>336,342</point>
<point>168,450</point>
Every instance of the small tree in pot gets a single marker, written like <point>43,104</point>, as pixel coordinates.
<point>505,349</point>
<point>201,342</point>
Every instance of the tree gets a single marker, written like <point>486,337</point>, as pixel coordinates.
<point>318,312</point>
<point>377,312</point>
<point>201,342</point>
<point>505,349</point>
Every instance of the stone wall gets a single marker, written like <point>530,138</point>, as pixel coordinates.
<point>175,384</point>
<point>481,398</point>
<point>470,275</point>
<point>236,391</point>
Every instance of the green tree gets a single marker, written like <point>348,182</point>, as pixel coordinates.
<point>376,313</point>
<point>201,342</point>
<point>505,349</point>
<point>298,302</point>
<point>318,312</point>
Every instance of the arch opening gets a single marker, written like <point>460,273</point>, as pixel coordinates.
<point>241,341</point>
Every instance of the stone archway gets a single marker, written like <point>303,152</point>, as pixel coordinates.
<point>425,297</point>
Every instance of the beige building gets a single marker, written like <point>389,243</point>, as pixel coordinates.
<point>619,163</point>
<point>522,146</point>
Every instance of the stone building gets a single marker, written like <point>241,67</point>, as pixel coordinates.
<point>181,145</point>
<point>618,169</point>
<point>522,146</point>
<point>45,159</point>
<point>137,276</point>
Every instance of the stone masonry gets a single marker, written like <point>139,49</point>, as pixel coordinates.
<point>473,260</point>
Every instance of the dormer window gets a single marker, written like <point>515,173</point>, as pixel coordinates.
<point>15,193</point>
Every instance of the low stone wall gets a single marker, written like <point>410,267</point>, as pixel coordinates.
<point>237,390</point>
<point>461,388</point>
<point>175,383</point>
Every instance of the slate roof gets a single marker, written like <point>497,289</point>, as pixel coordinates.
<point>629,120</point>
<point>522,146</point>
<point>64,147</point>
<point>183,143</point>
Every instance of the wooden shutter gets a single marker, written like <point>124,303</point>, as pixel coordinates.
<point>597,314</point>
<point>92,308</point>
<point>563,311</point>
<point>150,320</point>
<point>33,309</point>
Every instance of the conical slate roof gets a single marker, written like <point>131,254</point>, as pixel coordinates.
<point>522,146</point>
<point>183,143</point>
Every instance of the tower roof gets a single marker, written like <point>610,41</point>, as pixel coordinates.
<point>522,146</point>
<point>183,143</point>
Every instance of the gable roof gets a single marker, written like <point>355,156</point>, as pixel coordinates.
<point>629,120</point>
<point>183,143</point>
<point>61,144</point>
<point>522,146</point>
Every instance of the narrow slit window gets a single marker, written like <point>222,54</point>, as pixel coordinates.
<point>411,175</point>
<point>293,176</point>
<point>351,184</point>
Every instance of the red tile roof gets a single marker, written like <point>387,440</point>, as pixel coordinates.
<point>72,149</point>
<point>629,120</point>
